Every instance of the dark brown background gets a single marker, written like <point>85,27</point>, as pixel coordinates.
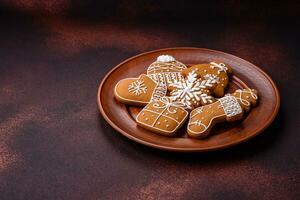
<point>55,145</point>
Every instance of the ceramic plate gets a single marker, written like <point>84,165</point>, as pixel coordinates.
<point>122,117</point>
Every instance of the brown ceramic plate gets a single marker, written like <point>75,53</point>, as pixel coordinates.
<point>122,117</point>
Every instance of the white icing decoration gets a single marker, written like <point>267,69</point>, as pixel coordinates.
<point>199,110</point>
<point>211,76</point>
<point>165,58</point>
<point>222,67</point>
<point>165,70</point>
<point>126,99</point>
<point>159,91</point>
<point>167,103</point>
<point>165,106</point>
<point>166,77</point>
<point>248,91</point>
<point>194,113</point>
<point>230,105</point>
<point>197,123</point>
<point>137,87</point>
<point>187,90</point>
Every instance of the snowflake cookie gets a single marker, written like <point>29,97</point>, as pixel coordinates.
<point>193,92</point>
<point>166,70</point>
<point>215,68</point>
<point>228,108</point>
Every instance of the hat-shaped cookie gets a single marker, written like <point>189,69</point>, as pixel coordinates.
<point>166,70</point>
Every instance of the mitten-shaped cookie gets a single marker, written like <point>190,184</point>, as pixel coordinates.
<point>163,117</point>
<point>166,70</point>
<point>139,91</point>
<point>228,108</point>
<point>216,69</point>
<point>193,92</point>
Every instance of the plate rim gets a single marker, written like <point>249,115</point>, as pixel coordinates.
<point>193,149</point>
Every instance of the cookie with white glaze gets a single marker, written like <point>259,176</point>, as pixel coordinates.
<point>193,92</point>
<point>217,69</point>
<point>163,117</point>
<point>228,108</point>
<point>139,91</point>
<point>165,70</point>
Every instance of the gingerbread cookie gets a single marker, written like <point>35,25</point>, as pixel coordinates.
<point>216,69</point>
<point>193,92</point>
<point>228,108</point>
<point>166,70</point>
<point>139,91</point>
<point>164,116</point>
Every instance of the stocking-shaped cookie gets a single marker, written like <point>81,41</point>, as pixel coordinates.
<point>165,70</point>
<point>139,91</point>
<point>164,116</point>
<point>215,69</point>
<point>193,92</point>
<point>228,108</point>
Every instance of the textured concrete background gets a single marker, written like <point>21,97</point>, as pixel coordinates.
<point>55,145</point>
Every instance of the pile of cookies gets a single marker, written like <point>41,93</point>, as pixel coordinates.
<point>171,93</point>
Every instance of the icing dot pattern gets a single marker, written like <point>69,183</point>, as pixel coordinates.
<point>230,105</point>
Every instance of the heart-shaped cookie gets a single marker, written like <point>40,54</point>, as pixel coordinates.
<point>139,91</point>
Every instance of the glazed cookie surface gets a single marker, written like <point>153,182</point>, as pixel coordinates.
<point>215,69</point>
<point>193,92</point>
<point>165,70</point>
<point>139,91</point>
<point>163,117</point>
<point>228,108</point>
